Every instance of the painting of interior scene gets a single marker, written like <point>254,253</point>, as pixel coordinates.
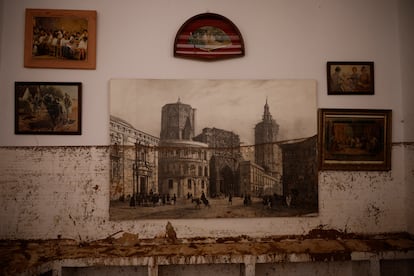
<point>212,148</point>
<point>355,139</point>
<point>60,38</point>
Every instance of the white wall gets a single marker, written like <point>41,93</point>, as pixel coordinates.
<point>284,39</point>
<point>406,27</point>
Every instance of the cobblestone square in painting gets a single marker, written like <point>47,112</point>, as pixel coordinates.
<point>218,208</point>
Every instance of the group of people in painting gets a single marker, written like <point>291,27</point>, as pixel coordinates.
<point>57,105</point>
<point>354,81</point>
<point>60,43</point>
<point>368,144</point>
<point>268,201</point>
<point>275,200</point>
<point>198,201</point>
<point>152,199</point>
<point>59,109</point>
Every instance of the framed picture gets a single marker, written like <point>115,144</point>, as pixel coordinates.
<point>48,108</point>
<point>354,139</point>
<point>60,39</point>
<point>193,153</point>
<point>350,78</point>
<point>208,36</point>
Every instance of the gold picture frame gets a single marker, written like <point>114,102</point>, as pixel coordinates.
<point>60,39</point>
<point>354,139</point>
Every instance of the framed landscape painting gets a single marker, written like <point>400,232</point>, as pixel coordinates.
<point>212,148</point>
<point>53,108</point>
<point>350,78</point>
<point>60,39</point>
<point>355,139</point>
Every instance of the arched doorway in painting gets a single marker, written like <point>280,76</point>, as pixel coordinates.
<point>143,185</point>
<point>227,180</point>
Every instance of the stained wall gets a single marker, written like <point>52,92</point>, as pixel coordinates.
<point>52,192</point>
<point>59,185</point>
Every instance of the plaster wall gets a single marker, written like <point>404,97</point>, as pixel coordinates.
<point>59,190</point>
<point>63,192</point>
<point>406,25</point>
<point>284,40</point>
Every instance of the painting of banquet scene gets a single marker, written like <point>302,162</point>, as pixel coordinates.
<point>60,38</point>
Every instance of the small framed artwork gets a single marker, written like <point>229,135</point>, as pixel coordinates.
<point>60,39</point>
<point>208,36</point>
<point>48,108</point>
<point>354,139</point>
<point>350,78</point>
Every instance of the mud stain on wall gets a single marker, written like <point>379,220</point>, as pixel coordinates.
<point>63,191</point>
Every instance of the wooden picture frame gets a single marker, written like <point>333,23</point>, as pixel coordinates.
<point>208,36</point>
<point>354,139</point>
<point>53,108</point>
<point>60,39</point>
<point>350,78</point>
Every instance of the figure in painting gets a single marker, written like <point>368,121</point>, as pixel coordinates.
<point>364,79</point>
<point>337,80</point>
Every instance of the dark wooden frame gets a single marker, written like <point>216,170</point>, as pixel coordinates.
<point>347,82</point>
<point>51,55</point>
<point>36,112</point>
<point>354,139</point>
<point>227,40</point>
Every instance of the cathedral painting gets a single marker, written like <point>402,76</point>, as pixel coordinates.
<point>212,148</point>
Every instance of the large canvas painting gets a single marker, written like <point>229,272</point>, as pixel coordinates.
<point>212,148</point>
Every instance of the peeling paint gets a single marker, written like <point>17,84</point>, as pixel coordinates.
<point>170,233</point>
<point>17,256</point>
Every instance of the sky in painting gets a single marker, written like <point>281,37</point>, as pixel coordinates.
<point>233,105</point>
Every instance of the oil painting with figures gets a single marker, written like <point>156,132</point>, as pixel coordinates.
<point>350,78</point>
<point>48,108</point>
<point>60,39</point>
<point>212,148</point>
<point>354,139</point>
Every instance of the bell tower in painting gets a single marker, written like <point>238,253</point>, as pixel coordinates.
<point>177,121</point>
<point>265,135</point>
